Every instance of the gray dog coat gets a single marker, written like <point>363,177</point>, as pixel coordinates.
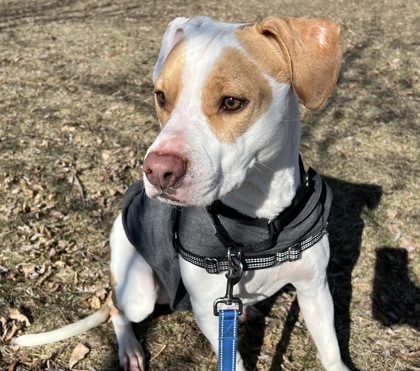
<point>148,224</point>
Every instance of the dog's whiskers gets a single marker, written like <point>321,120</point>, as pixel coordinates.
<point>259,165</point>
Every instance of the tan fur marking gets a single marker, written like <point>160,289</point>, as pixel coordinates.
<point>170,81</point>
<point>234,75</point>
<point>312,49</point>
<point>113,284</point>
<point>114,310</point>
<point>266,51</point>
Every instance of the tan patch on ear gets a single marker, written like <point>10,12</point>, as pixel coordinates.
<point>264,51</point>
<point>312,49</point>
<point>170,81</point>
<point>234,75</point>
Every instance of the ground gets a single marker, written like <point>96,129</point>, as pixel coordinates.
<point>76,115</point>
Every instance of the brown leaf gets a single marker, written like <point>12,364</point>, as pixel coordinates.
<point>95,303</point>
<point>27,269</point>
<point>267,342</point>
<point>10,333</point>
<point>12,276</point>
<point>78,354</point>
<point>16,315</point>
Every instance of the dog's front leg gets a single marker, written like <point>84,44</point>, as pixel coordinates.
<point>135,292</point>
<point>204,288</point>
<point>130,352</point>
<point>317,308</point>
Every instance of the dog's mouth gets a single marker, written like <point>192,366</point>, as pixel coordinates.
<point>178,201</point>
<point>170,199</point>
<point>185,193</point>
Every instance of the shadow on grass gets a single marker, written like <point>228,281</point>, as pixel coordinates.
<point>394,296</point>
<point>346,228</point>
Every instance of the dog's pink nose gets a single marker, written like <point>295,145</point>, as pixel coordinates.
<point>163,171</point>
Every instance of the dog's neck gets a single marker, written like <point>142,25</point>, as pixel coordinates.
<point>270,196</point>
<point>273,184</point>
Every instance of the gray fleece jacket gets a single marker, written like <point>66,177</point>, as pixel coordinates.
<point>148,226</point>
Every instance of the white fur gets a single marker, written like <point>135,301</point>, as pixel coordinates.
<point>258,175</point>
<point>66,332</point>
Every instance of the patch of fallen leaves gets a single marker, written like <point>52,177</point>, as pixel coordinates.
<point>11,323</point>
<point>78,354</point>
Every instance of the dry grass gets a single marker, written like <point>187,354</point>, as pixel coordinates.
<point>76,116</point>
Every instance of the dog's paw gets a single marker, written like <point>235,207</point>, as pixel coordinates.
<point>131,356</point>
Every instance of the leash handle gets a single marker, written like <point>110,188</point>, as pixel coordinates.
<point>228,339</point>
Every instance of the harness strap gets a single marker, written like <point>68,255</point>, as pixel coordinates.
<point>287,215</point>
<point>228,336</point>
<point>216,265</point>
<point>275,226</point>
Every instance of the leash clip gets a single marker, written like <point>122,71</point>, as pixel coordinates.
<point>234,275</point>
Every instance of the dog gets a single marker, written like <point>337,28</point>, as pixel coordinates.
<point>227,99</point>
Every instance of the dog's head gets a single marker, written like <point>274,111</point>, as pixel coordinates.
<point>225,97</point>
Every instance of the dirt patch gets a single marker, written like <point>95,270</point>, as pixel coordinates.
<point>76,115</point>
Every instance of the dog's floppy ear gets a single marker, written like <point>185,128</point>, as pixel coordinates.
<point>173,35</point>
<point>312,49</point>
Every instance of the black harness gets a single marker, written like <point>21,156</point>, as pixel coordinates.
<point>256,256</point>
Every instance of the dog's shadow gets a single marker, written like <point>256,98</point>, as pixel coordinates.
<point>394,295</point>
<point>345,232</point>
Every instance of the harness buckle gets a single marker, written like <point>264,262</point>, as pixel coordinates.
<point>211,265</point>
<point>293,252</point>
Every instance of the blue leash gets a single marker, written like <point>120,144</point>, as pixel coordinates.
<point>229,318</point>
<point>228,339</point>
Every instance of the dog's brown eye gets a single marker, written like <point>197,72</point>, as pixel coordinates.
<point>232,104</point>
<point>160,98</point>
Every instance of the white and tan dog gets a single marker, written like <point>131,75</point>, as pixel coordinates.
<point>227,101</point>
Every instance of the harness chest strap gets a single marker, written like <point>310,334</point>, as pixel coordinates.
<point>215,265</point>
